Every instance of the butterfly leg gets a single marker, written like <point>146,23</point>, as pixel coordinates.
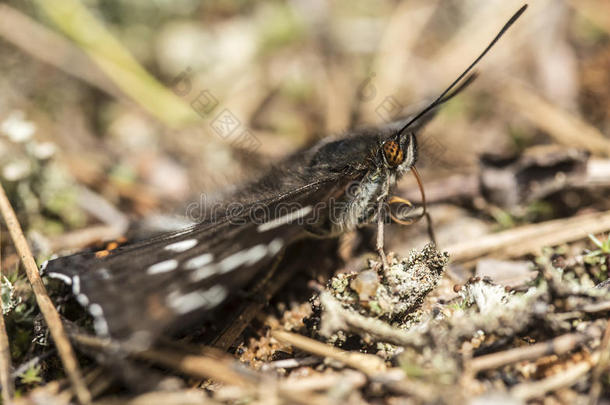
<point>380,224</point>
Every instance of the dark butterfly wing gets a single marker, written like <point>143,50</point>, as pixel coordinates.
<point>136,292</point>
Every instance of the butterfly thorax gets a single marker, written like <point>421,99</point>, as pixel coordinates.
<point>357,203</point>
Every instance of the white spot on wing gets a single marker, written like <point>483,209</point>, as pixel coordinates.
<point>285,219</point>
<point>198,261</point>
<point>275,246</point>
<point>163,267</point>
<point>249,256</point>
<point>61,277</point>
<point>183,303</point>
<point>99,322</point>
<point>104,273</point>
<point>82,299</point>
<point>96,310</point>
<point>236,260</point>
<point>203,273</point>
<point>181,246</point>
<point>75,285</point>
<point>101,326</point>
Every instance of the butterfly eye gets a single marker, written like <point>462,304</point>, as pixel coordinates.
<point>393,153</point>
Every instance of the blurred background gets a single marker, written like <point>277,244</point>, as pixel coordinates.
<point>115,111</point>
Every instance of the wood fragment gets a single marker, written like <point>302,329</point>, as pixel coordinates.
<point>50,314</point>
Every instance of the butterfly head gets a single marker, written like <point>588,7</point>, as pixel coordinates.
<point>399,152</point>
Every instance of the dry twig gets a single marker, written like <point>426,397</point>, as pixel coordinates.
<point>338,318</point>
<point>324,381</point>
<point>602,365</point>
<point>66,353</point>
<point>367,363</point>
<point>8,388</point>
<point>531,238</point>
<point>182,397</point>
<point>211,363</point>
<point>566,378</point>
<point>559,345</point>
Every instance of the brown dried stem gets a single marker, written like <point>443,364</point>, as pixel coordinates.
<point>209,363</point>
<point>602,365</point>
<point>8,388</point>
<point>51,316</point>
<point>44,44</point>
<point>566,378</point>
<point>367,363</point>
<point>559,345</point>
<point>531,238</point>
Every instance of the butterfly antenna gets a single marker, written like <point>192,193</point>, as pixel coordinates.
<point>448,93</point>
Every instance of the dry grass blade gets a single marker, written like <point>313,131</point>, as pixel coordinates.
<point>394,66</point>
<point>73,18</point>
<point>596,11</point>
<point>204,366</point>
<point>211,363</point>
<point>601,367</point>
<point>84,237</point>
<point>531,238</point>
<point>66,353</point>
<point>566,128</point>
<point>367,363</point>
<point>559,345</point>
<point>597,307</point>
<point>566,378</point>
<point>44,44</point>
<point>325,381</point>
<point>8,388</point>
<point>218,366</point>
<point>182,397</point>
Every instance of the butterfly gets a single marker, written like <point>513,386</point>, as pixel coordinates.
<point>139,291</point>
